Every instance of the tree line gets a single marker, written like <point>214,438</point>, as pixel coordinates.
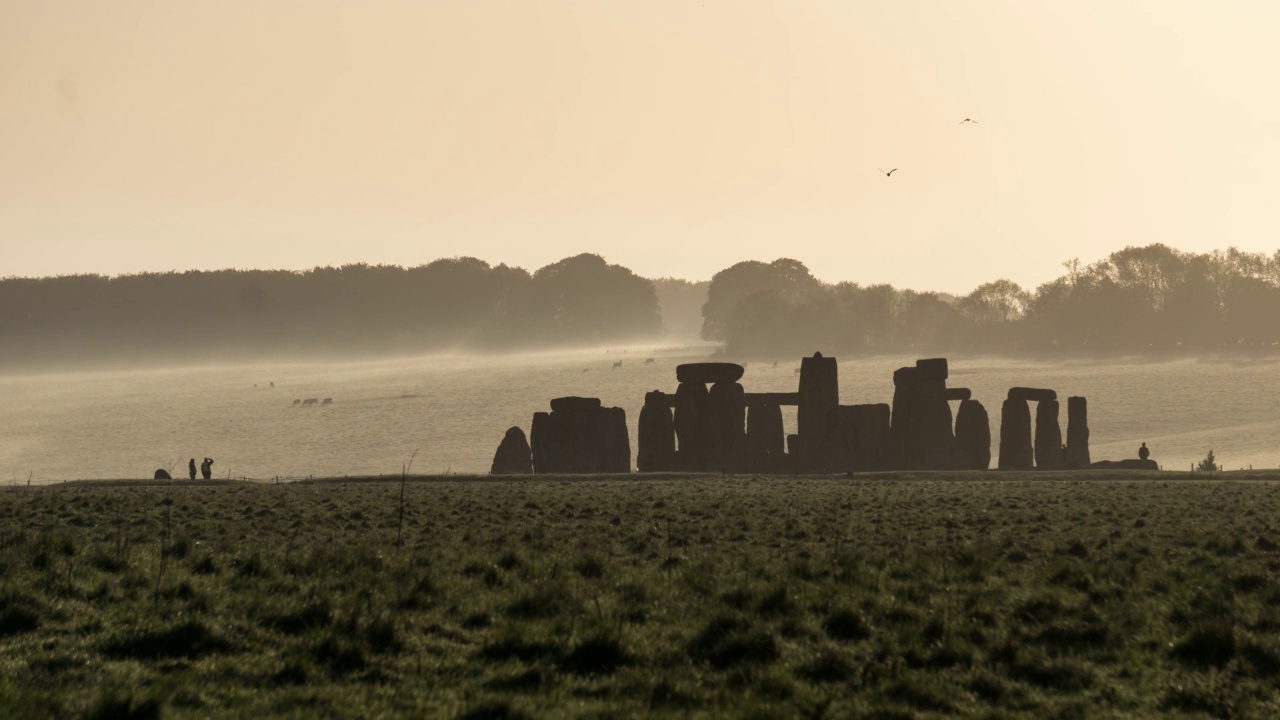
<point>1151,299</point>
<point>1136,300</point>
<point>353,310</point>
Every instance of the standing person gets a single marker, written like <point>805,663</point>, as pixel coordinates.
<point>1143,452</point>
<point>191,468</point>
<point>207,468</point>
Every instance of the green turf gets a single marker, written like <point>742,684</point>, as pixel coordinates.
<point>982,595</point>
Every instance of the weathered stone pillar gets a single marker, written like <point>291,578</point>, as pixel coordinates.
<point>726,417</point>
<point>657,434</point>
<point>1015,435</point>
<point>550,443</point>
<point>766,441</point>
<point>615,454</point>
<point>691,399</point>
<point>819,394</point>
<point>903,416</point>
<point>1049,454</point>
<point>973,436</point>
<point>1077,433</point>
<point>514,456</point>
<point>870,437</point>
<point>929,446</point>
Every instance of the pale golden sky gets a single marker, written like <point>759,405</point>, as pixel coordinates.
<point>674,137</point>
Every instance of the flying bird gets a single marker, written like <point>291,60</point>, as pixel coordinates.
<point>890,172</point>
<point>975,122</point>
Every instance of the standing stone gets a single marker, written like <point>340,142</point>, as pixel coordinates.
<point>819,393</point>
<point>691,400</point>
<point>903,416</point>
<point>1015,436</point>
<point>929,442</point>
<point>1077,433</point>
<point>766,439</point>
<point>1048,436</point>
<point>550,443</point>
<point>838,446</point>
<point>724,427</point>
<point>616,450</point>
<point>162,474</point>
<point>514,457</point>
<point>870,437</point>
<point>973,437</point>
<point>588,438</point>
<point>794,448</point>
<point>657,431</point>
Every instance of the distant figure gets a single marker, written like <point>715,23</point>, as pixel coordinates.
<point>648,361</point>
<point>967,120</point>
<point>1143,452</point>
<point>206,468</point>
<point>888,173</point>
<point>775,363</point>
<point>273,383</point>
<point>191,468</point>
<point>617,365</point>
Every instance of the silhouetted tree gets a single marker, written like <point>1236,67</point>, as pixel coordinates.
<point>790,279</point>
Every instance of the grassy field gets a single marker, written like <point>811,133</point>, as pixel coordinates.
<point>985,595</point>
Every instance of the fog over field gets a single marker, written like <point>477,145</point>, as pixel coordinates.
<point>453,410</point>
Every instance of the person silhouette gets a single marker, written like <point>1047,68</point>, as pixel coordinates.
<point>1143,452</point>
<point>191,468</point>
<point>206,468</point>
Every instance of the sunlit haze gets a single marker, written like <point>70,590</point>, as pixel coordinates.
<point>672,137</point>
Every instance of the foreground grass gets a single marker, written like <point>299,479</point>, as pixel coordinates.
<point>927,596</point>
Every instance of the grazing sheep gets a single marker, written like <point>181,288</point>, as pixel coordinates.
<point>310,401</point>
<point>617,365</point>
<point>327,401</point>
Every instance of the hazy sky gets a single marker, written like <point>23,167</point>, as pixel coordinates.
<point>674,137</point>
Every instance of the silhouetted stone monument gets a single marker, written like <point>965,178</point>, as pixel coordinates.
<point>691,400</point>
<point>903,416</point>
<point>858,438</point>
<point>1015,435</point>
<point>580,436</point>
<point>162,474</point>
<point>1032,394</point>
<point>1077,433</point>
<point>514,456</point>
<point>657,431</point>
<point>973,437</point>
<point>929,446</point>
<point>1048,448</point>
<point>617,448</point>
<point>766,441</point>
<point>961,394</point>
<point>819,394</point>
<point>574,404</point>
<point>725,437</point>
<point>709,372</point>
<point>920,435</point>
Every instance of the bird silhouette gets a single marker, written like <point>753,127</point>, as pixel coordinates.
<point>975,122</point>
<point>890,172</point>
